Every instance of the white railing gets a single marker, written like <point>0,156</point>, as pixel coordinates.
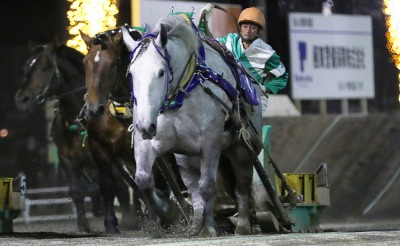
<point>29,202</point>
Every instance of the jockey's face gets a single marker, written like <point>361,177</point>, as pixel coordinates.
<point>249,32</point>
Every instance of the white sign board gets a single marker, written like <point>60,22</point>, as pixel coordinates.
<point>331,56</point>
<point>150,11</point>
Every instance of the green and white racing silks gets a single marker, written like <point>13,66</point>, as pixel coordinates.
<point>259,60</point>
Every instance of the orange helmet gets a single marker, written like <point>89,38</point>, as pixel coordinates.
<point>252,15</point>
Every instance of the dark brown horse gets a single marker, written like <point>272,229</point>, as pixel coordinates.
<point>56,71</point>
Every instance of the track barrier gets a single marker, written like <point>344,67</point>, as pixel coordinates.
<point>56,201</point>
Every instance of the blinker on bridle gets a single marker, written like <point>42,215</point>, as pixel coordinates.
<point>150,38</point>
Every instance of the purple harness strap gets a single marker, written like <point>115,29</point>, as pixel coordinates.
<point>201,73</point>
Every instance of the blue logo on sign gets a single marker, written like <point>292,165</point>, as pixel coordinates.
<point>302,54</point>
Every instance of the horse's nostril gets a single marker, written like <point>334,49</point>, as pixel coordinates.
<point>152,130</point>
<point>25,99</point>
<point>101,109</point>
<point>97,112</point>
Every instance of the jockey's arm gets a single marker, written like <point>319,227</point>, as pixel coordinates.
<point>277,77</point>
<point>274,84</point>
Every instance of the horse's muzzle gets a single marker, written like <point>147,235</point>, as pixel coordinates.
<point>95,112</point>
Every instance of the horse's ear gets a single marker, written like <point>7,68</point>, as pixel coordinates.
<point>162,36</point>
<point>54,45</point>
<point>128,40</point>
<point>118,38</point>
<point>136,35</point>
<point>31,45</point>
<point>57,41</point>
<point>85,38</point>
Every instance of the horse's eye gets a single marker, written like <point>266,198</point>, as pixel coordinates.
<point>161,73</point>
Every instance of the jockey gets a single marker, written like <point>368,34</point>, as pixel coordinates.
<point>259,59</point>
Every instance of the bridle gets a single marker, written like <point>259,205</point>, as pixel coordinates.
<point>99,40</point>
<point>48,85</point>
<point>162,51</point>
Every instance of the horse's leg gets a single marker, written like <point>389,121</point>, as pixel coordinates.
<point>73,171</point>
<point>107,184</point>
<point>190,174</point>
<point>243,170</point>
<point>108,190</point>
<point>207,189</point>
<point>97,202</point>
<point>145,157</point>
<point>77,195</point>
<point>129,218</point>
<point>91,177</point>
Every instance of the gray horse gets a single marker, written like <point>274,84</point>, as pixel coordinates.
<point>197,130</point>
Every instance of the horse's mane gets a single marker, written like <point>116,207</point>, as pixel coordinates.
<point>72,55</point>
<point>73,65</point>
<point>178,28</point>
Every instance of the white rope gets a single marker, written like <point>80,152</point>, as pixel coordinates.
<point>245,135</point>
<point>131,129</point>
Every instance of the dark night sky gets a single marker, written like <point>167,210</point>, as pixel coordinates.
<point>38,20</point>
<point>42,20</point>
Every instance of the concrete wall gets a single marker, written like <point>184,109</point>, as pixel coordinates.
<point>362,156</point>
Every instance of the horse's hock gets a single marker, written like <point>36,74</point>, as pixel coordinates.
<point>361,155</point>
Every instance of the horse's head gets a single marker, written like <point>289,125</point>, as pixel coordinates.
<point>158,61</point>
<point>41,77</point>
<point>105,63</point>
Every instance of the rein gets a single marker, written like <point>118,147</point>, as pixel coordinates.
<point>80,88</point>
<point>40,98</point>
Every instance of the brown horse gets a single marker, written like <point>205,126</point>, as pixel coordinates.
<point>56,71</point>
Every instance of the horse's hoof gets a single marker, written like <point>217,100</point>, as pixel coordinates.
<point>112,230</point>
<point>130,224</point>
<point>152,228</point>
<point>242,230</point>
<point>111,225</point>
<point>208,231</point>
<point>243,227</point>
<point>171,214</point>
<point>83,226</point>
